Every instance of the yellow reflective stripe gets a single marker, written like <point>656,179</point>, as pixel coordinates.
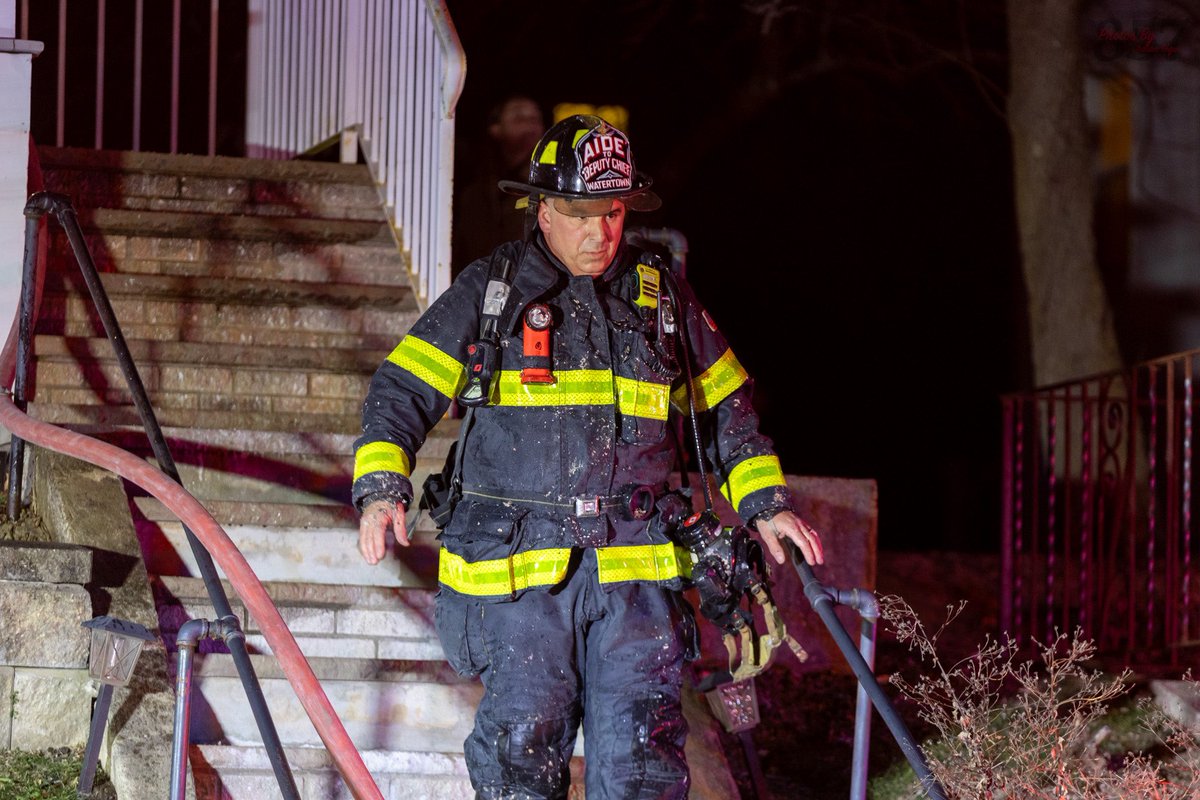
<point>716,383</point>
<point>441,371</point>
<point>760,472</point>
<point>642,399</point>
<point>643,562</point>
<point>381,457</point>
<point>585,387</point>
<point>503,576</point>
<point>573,387</point>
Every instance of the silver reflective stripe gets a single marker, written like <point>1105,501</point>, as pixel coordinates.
<point>495,298</point>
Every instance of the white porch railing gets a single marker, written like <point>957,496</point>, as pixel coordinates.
<point>388,72</point>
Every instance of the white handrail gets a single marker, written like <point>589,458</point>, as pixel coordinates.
<point>387,71</point>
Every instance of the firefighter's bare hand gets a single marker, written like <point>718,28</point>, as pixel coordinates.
<point>786,525</point>
<point>376,519</point>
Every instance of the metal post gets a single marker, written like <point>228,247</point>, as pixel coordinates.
<point>190,633</point>
<point>867,606</point>
<point>91,755</point>
<point>822,602</point>
<point>16,454</point>
<point>757,779</point>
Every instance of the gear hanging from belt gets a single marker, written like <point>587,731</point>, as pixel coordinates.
<point>729,567</point>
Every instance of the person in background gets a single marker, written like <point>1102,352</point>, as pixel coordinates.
<point>484,216</point>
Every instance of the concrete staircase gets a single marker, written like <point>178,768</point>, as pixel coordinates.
<point>257,298</point>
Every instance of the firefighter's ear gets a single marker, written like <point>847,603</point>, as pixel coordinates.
<point>543,216</point>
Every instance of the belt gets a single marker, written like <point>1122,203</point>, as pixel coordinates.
<point>637,502</point>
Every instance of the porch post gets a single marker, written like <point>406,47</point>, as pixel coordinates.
<point>16,58</point>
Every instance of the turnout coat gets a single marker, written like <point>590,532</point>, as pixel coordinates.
<point>549,468</point>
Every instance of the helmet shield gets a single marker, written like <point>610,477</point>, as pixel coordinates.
<point>584,158</point>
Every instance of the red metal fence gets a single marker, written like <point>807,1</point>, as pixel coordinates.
<point>1098,511</point>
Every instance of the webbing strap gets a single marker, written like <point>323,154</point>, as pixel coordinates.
<point>757,651</point>
<point>505,576</point>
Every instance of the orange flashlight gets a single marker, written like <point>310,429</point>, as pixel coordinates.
<point>536,345</point>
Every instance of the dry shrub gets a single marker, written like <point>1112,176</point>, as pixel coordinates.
<point>1013,728</point>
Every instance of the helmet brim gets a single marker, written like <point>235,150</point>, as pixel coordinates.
<point>640,198</point>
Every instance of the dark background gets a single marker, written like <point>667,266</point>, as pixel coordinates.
<point>853,236</point>
<point>842,175</point>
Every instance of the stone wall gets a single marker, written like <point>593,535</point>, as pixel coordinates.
<point>45,693</point>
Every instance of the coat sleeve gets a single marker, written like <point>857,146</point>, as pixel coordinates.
<point>412,389</point>
<point>743,460</point>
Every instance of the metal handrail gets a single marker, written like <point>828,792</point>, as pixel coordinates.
<point>187,508</point>
<point>823,599</point>
<point>38,206</point>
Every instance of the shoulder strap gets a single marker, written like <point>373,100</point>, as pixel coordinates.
<point>679,322</point>
<point>483,354</point>
<point>501,273</point>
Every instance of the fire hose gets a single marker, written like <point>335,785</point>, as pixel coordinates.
<point>189,510</point>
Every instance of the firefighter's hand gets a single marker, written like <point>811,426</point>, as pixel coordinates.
<point>786,525</point>
<point>373,527</point>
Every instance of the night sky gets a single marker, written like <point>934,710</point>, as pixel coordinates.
<point>852,234</point>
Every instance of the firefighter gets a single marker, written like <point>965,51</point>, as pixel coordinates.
<point>559,584</point>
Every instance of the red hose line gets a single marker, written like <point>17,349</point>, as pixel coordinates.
<point>189,510</point>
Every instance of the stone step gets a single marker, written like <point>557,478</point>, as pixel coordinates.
<point>365,261</point>
<point>288,554</point>
<point>217,186</point>
<point>222,449</point>
<point>186,376</point>
<point>226,772</point>
<point>333,449</point>
<point>414,706</point>
<point>328,621</point>
<point>231,507</point>
<point>256,512</point>
<point>361,334</point>
<point>274,313</point>
<point>239,292</point>
<point>251,411</point>
<point>188,227</point>
<point>358,362</point>
<point>127,161</point>
<point>179,410</point>
<point>228,323</point>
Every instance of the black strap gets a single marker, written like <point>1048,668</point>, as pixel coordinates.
<point>459,449</point>
<point>685,358</point>
<point>501,270</point>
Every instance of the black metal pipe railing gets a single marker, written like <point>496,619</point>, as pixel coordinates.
<point>39,205</point>
<point>24,340</point>
<point>823,599</point>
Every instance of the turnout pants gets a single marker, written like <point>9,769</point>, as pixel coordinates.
<point>610,657</point>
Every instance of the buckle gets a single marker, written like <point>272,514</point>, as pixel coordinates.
<point>588,506</point>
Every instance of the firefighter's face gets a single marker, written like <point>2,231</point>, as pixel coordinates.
<point>584,235</point>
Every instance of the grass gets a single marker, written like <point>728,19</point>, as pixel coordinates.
<point>49,775</point>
